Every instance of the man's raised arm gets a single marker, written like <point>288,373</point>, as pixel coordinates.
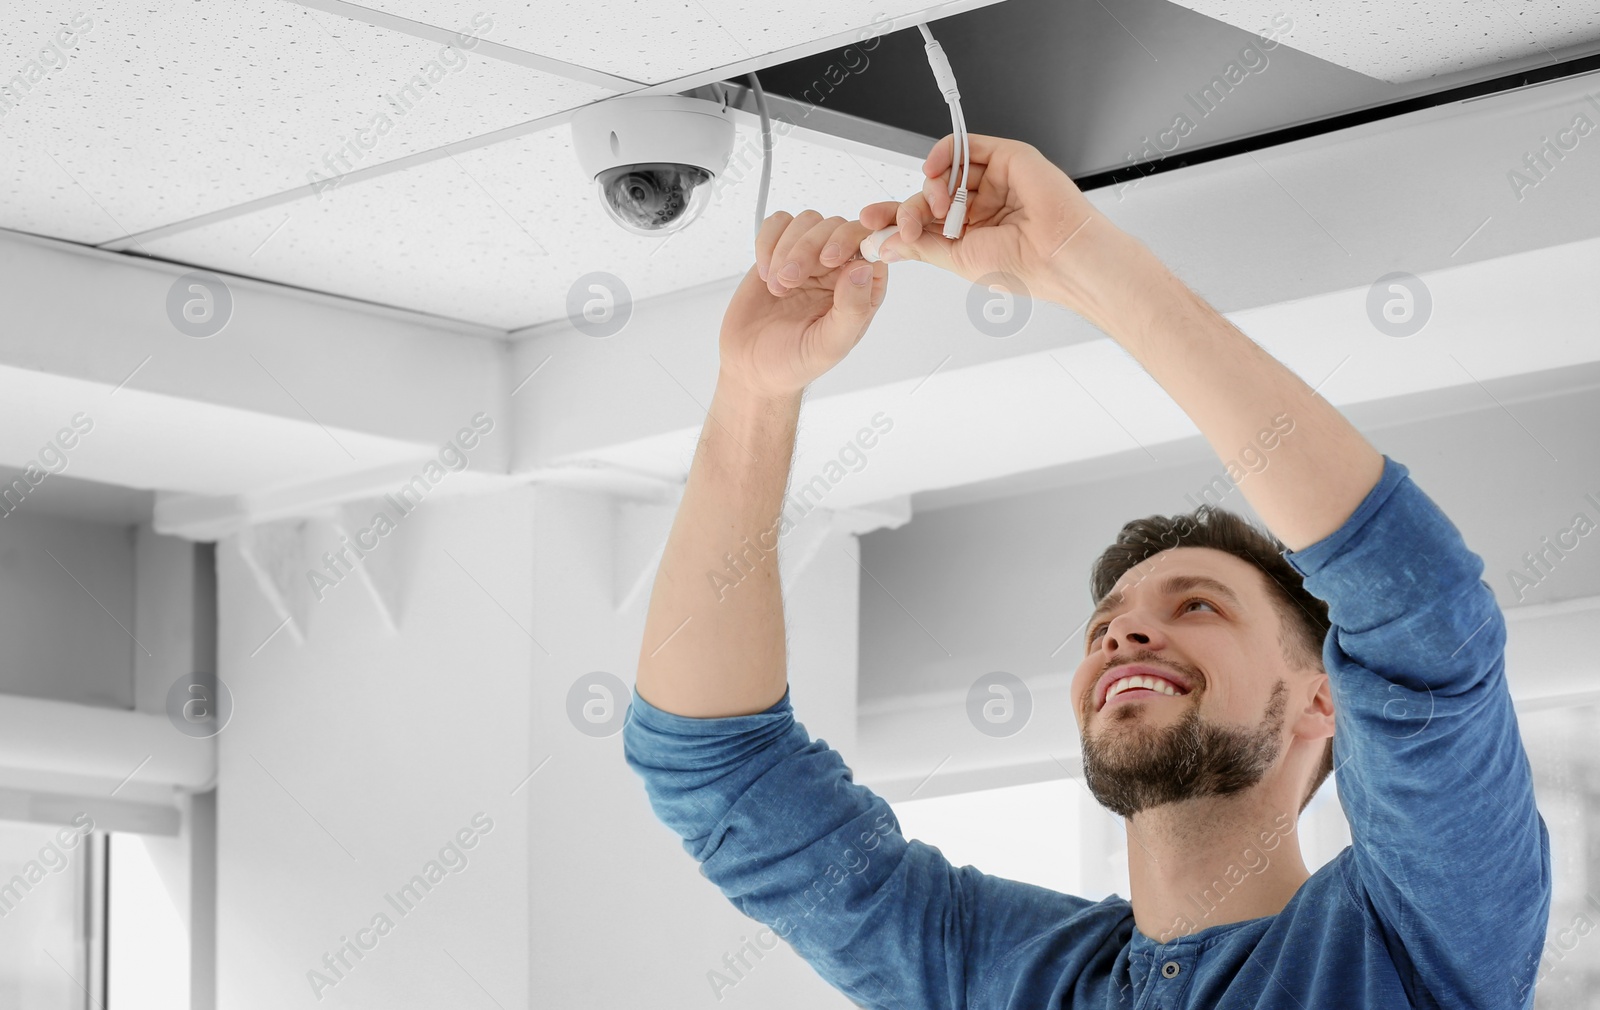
<point>1034,222</point>
<point>1233,391</point>
<point>712,650</point>
<point>1449,848</point>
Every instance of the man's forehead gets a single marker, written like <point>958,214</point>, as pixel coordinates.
<point>1199,560</point>
<point>1185,566</point>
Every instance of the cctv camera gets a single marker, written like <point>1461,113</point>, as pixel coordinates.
<point>652,156</point>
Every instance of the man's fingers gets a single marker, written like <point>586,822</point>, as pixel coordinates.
<point>806,253</point>
<point>844,243</point>
<point>781,257</point>
<point>938,160</point>
<point>937,188</point>
<point>853,307</point>
<point>980,147</point>
<point>936,191</point>
<point>879,215</point>
<point>767,238</point>
<point>913,216</point>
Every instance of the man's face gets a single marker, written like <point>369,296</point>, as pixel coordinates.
<point>1224,732</point>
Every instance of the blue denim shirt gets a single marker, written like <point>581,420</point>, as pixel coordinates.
<point>1441,900</point>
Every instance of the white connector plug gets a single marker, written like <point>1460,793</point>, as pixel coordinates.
<point>872,243</point>
<point>960,154</point>
<point>956,216</point>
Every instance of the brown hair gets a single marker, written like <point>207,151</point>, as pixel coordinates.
<point>1302,617</point>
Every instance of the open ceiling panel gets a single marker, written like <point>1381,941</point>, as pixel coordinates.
<point>1400,42</point>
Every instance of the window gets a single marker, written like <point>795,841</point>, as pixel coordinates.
<point>1566,785</point>
<point>52,921</point>
<point>148,951</point>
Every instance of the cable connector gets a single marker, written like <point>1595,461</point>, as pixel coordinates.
<point>942,73</point>
<point>956,216</point>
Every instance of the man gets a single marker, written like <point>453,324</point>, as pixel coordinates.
<point>1442,898</point>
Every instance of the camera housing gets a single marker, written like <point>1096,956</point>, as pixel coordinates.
<point>651,157</point>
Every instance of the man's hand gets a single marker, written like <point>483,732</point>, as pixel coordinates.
<point>785,328</point>
<point>1025,217</point>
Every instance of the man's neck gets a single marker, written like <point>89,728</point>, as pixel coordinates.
<point>1203,863</point>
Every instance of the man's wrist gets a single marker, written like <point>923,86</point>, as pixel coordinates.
<point>1113,282</point>
<point>753,400</point>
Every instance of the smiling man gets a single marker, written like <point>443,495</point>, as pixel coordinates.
<point>1216,666</point>
<point>1192,657</point>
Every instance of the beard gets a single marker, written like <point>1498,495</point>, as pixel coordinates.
<point>1188,760</point>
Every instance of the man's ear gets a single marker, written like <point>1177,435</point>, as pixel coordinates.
<point>1314,718</point>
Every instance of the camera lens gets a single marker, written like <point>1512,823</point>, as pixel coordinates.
<point>652,198</point>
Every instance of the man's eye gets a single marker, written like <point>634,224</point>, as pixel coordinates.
<point>1093,632</point>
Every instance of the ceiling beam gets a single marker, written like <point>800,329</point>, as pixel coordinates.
<point>302,401</point>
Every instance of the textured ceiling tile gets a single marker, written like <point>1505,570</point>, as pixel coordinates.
<point>643,40</point>
<point>1399,42</point>
<point>651,41</point>
<point>138,115</point>
<point>500,234</point>
<point>768,27</point>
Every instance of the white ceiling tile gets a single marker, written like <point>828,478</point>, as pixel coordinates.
<point>1399,42</point>
<point>498,235</point>
<point>163,111</point>
<point>652,41</point>
<point>643,40</point>
<point>768,27</point>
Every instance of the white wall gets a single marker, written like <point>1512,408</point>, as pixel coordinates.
<point>621,914</point>
<point>353,758</point>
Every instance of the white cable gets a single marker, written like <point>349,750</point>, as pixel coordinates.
<point>766,150</point>
<point>966,149</point>
<point>960,149</point>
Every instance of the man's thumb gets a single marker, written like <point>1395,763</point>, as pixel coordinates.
<point>850,298</point>
<point>846,320</point>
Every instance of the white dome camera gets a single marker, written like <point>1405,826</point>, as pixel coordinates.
<point>651,157</point>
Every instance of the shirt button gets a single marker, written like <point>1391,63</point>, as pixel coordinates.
<point>1170,969</point>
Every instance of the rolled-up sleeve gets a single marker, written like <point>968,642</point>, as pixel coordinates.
<point>781,828</point>
<point>1431,770</point>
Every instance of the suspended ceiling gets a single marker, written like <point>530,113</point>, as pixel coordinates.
<point>197,133</point>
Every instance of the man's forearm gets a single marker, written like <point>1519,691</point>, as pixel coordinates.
<point>710,652</point>
<point>1232,390</point>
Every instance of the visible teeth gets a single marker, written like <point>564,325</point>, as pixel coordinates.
<point>1129,683</point>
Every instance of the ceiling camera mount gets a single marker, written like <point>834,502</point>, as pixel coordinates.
<point>651,157</point>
